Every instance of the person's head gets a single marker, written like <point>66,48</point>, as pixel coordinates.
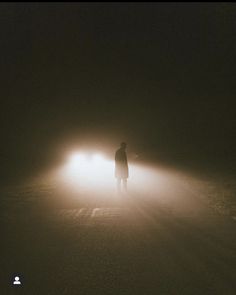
<point>123,145</point>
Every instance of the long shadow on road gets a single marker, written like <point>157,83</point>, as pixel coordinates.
<point>129,246</point>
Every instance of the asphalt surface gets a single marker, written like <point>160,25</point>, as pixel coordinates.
<point>129,245</point>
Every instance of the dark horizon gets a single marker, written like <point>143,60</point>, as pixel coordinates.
<point>159,76</point>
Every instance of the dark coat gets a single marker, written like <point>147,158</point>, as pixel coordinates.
<point>121,164</point>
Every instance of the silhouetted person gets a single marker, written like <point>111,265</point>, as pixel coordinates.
<point>121,167</point>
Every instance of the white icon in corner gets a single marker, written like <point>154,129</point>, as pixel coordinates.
<point>17,281</point>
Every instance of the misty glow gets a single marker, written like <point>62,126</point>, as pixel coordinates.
<point>85,169</point>
<point>93,171</point>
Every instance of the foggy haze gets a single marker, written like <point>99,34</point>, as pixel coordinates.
<point>159,76</point>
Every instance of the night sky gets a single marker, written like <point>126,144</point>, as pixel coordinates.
<point>159,76</point>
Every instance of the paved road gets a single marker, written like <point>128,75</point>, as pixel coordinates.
<point>128,246</point>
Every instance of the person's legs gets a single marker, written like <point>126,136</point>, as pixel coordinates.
<point>125,184</point>
<point>118,184</point>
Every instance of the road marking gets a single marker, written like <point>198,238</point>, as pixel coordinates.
<point>92,213</point>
